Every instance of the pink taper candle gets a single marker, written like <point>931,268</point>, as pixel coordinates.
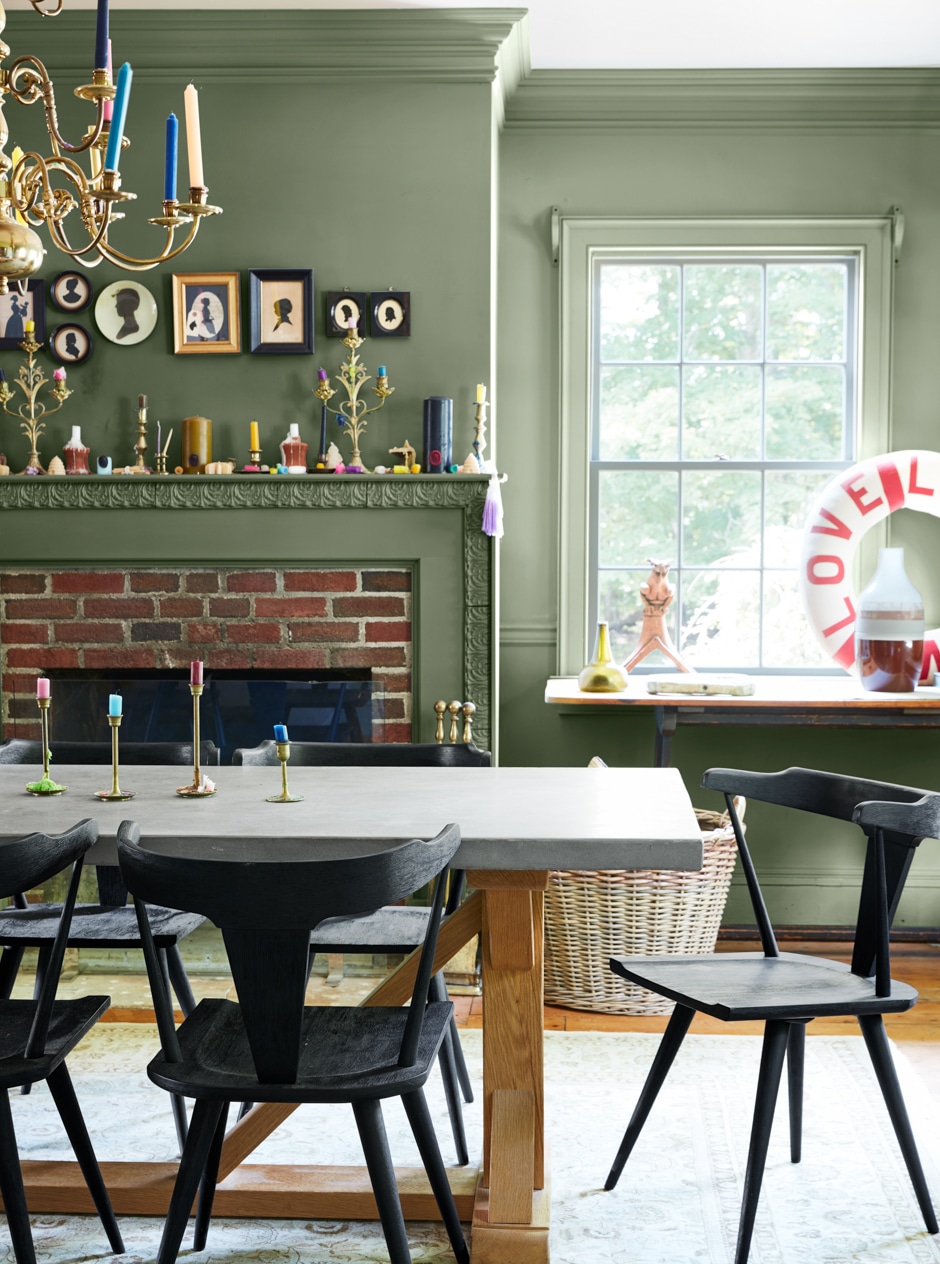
<point>42,687</point>
<point>195,672</point>
<point>109,105</point>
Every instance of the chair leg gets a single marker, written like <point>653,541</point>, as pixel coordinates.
<point>42,965</point>
<point>448,1065</point>
<point>192,1165</point>
<point>776,1036</point>
<point>419,1117</point>
<point>11,1187</point>
<point>374,1140</point>
<point>63,1094</point>
<point>180,1122</point>
<point>10,962</point>
<point>876,1040</point>
<point>163,1001</point>
<point>438,992</point>
<point>796,1051</point>
<point>673,1036</point>
<point>209,1179</point>
<point>180,980</point>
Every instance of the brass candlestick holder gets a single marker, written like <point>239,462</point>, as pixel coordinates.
<point>283,754</point>
<point>140,447</point>
<point>46,785</point>
<point>200,788</point>
<point>352,377</point>
<point>115,792</point>
<point>32,412</point>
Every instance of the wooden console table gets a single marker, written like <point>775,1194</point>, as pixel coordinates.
<point>824,701</point>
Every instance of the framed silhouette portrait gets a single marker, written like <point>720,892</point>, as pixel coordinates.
<point>70,344</point>
<point>205,313</point>
<point>281,311</point>
<point>390,314</point>
<point>343,306</point>
<point>16,309</point>
<point>126,312</point>
<point>70,292</point>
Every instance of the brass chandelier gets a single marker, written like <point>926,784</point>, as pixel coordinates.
<point>37,190</point>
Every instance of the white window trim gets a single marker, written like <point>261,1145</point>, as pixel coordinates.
<point>581,238</point>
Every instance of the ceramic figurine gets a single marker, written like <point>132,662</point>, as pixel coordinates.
<point>76,454</point>
<point>294,451</point>
<point>333,457</point>
<point>56,466</point>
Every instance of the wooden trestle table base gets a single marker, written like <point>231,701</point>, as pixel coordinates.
<point>517,824</point>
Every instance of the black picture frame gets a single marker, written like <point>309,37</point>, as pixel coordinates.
<point>20,308</point>
<point>71,292</point>
<point>390,314</point>
<point>70,344</point>
<point>281,304</point>
<point>337,325</point>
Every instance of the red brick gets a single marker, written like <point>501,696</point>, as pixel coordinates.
<point>203,633</point>
<point>181,607</point>
<point>385,656</point>
<point>30,731</point>
<point>26,633</point>
<point>88,582</point>
<point>397,733</point>
<point>251,581</point>
<point>388,632</point>
<point>320,581</point>
<point>234,659</point>
<point>326,633</point>
<point>117,607</point>
<point>42,657</point>
<point>291,607</point>
<point>41,608</point>
<point>154,581</point>
<point>394,708</point>
<point>386,581</point>
<point>202,582</point>
<point>351,607</point>
<point>253,633</point>
<point>122,656</point>
<point>156,630</point>
<point>19,682</point>
<point>393,681</point>
<point>91,633</point>
<point>302,660</point>
<point>229,607</point>
<point>22,584</point>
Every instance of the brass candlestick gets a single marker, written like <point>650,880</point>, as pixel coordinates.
<point>283,754</point>
<point>199,789</point>
<point>352,377</point>
<point>115,792</point>
<point>32,412</point>
<point>46,785</point>
<point>140,447</point>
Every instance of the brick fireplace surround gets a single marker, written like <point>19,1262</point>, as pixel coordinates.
<point>232,617</point>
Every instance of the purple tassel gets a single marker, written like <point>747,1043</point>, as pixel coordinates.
<point>493,509</point>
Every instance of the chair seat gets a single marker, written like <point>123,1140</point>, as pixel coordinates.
<point>391,928</point>
<point>71,1020</point>
<point>748,985</point>
<point>94,926</point>
<point>347,1054</point>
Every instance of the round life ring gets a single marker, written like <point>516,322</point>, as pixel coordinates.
<point>844,510</point>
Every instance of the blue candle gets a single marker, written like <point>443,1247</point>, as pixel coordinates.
<point>101,36</point>
<point>383,371</point>
<point>116,134</point>
<point>280,732</point>
<point>114,704</point>
<point>172,147</point>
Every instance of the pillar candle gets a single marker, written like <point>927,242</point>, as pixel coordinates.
<point>195,672</point>
<point>438,433</point>
<point>112,158</point>
<point>197,444</point>
<point>280,733</point>
<point>43,687</point>
<point>115,703</point>
<point>254,443</point>
<point>193,137</point>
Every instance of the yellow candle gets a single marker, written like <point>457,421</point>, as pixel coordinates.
<point>193,136</point>
<point>30,326</point>
<point>255,443</point>
<point>15,157</point>
<point>481,393</point>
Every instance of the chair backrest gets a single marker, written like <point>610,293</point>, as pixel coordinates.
<point>18,750</point>
<point>368,755</point>
<point>266,902</point>
<point>895,819</point>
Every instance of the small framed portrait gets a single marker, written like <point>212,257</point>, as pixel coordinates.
<point>126,312</point>
<point>70,344</point>
<point>281,311</point>
<point>70,292</point>
<point>342,306</point>
<point>206,317</point>
<point>16,309</point>
<point>391,314</point>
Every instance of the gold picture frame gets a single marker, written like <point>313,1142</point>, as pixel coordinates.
<point>206,318</point>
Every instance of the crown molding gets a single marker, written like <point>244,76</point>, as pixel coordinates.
<point>662,99</point>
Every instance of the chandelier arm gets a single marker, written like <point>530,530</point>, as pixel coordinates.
<point>46,13</point>
<point>142,265</point>
<point>40,88</point>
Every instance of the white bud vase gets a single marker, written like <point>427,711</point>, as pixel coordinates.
<point>889,628</point>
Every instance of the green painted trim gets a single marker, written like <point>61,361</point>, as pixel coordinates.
<point>869,98</point>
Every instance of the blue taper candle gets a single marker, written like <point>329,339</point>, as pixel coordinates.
<point>115,703</point>
<point>172,148</point>
<point>101,36</point>
<point>116,134</point>
<point>280,733</point>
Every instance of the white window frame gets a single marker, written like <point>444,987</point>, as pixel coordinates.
<point>581,239</point>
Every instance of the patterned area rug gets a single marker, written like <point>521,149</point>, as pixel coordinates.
<point>677,1201</point>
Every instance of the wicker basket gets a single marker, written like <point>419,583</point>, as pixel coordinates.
<point>591,915</point>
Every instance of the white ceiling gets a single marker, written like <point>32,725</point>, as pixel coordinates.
<point>677,34</point>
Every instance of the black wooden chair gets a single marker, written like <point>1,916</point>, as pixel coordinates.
<point>788,990</point>
<point>20,750</point>
<point>271,1047</point>
<point>396,929</point>
<point>37,1035</point>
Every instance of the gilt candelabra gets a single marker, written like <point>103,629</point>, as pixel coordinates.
<point>32,412</point>
<point>352,377</point>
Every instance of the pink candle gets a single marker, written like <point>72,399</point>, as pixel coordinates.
<point>42,687</point>
<point>109,105</point>
<point>195,672</point>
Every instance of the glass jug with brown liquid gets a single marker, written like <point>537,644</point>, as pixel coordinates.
<point>889,628</point>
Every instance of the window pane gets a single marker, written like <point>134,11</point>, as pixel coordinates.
<point>721,412</point>
<point>639,413</point>
<point>638,516</point>
<point>788,641</point>
<point>639,312</point>
<point>720,618</point>
<point>787,498</point>
<point>805,410</point>
<point>618,601</point>
<point>720,518</point>
<point>806,311</point>
<point>723,311</point>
